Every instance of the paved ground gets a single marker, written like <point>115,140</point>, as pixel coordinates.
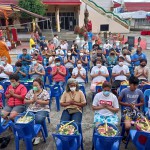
<point>87,125</point>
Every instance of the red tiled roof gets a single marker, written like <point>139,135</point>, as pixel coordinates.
<point>9,2</point>
<point>136,6</point>
<point>62,2</point>
<point>50,2</point>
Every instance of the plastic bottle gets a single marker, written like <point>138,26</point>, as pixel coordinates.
<point>45,62</point>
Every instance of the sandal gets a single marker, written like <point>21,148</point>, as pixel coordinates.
<point>124,139</point>
<point>5,142</point>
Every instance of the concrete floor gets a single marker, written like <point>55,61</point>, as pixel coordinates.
<point>87,125</point>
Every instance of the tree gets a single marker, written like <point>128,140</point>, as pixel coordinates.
<point>35,6</point>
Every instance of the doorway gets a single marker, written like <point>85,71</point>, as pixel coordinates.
<point>67,21</point>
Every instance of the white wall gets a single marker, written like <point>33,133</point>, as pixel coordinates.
<point>98,19</point>
<point>106,4</point>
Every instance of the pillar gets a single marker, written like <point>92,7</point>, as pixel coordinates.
<point>57,19</point>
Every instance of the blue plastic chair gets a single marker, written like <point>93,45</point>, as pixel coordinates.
<point>48,75</point>
<point>98,89</point>
<point>131,69</point>
<point>3,127</point>
<point>145,87</point>
<point>110,71</point>
<point>26,131</point>
<point>56,92</point>
<point>68,75</point>
<point>86,80</point>
<point>82,88</point>
<point>78,127</point>
<point>135,135</point>
<point>106,143</point>
<point>67,142</point>
<point>146,98</point>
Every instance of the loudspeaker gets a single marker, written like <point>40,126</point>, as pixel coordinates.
<point>131,40</point>
<point>104,27</point>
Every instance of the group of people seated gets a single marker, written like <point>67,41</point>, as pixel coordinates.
<point>77,62</point>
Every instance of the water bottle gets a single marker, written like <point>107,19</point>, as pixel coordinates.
<point>45,62</point>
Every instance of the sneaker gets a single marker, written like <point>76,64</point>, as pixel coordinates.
<point>37,140</point>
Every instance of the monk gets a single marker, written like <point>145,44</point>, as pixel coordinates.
<point>4,50</point>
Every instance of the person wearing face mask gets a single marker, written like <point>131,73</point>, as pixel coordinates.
<point>36,70</point>
<point>21,71</point>
<point>135,58</point>
<point>59,52</point>
<point>97,55</point>
<point>58,73</point>
<point>43,43</point>
<point>5,69</point>
<point>112,58</point>
<point>142,71</point>
<point>25,58</point>
<point>105,105</point>
<point>38,101</point>
<point>83,57</point>
<point>37,57</point>
<point>51,45</point>
<point>79,73</point>
<point>107,47</point>
<point>52,59</point>
<point>120,73</point>
<point>69,61</point>
<point>33,49</point>
<point>55,40</point>
<point>127,58</point>
<point>85,46</point>
<point>99,73</point>
<point>74,51</point>
<point>73,101</point>
<point>15,95</point>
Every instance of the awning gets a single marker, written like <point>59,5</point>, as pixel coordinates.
<point>9,2</point>
<point>136,6</point>
<point>62,2</point>
<point>116,4</point>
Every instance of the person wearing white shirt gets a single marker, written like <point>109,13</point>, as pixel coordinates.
<point>52,59</point>
<point>105,105</point>
<point>55,40</point>
<point>107,45</point>
<point>99,72</point>
<point>59,52</point>
<point>127,58</point>
<point>63,45</point>
<point>120,72</point>
<point>5,69</point>
<point>79,73</point>
<point>69,61</point>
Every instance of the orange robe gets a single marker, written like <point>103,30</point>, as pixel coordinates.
<point>4,51</point>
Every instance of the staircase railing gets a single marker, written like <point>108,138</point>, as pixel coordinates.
<point>109,14</point>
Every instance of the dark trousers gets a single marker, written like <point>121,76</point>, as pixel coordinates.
<point>77,117</point>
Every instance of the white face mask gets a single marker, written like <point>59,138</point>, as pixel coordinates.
<point>69,54</point>
<point>45,48</point>
<point>98,65</point>
<point>79,65</point>
<point>72,88</point>
<point>120,63</point>
<point>81,54</point>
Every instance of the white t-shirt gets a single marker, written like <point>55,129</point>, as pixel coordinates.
<point>7,68</point>
<point>117,69</point>
<point>69,64</point>
<point>82,71</point>
<point>59,52</point>
<point>129,59</point>
<point>63,46</point>
<point>101,99</point>
<point>100,78</point>
<point>107,46</point>
<point>56,42</point>
<point>53,62</point>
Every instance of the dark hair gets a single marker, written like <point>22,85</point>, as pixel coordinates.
<point>106,84</point>
<point>143,60</point>
<point>24,49</point>
<point>14,77</point>
<point>121,57</point>
<point>57,59</point>
<point>133,80</point>
<point>39,81</point>
<point>99,59</point>
<point>18,64</point>
<point>33,45</point>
